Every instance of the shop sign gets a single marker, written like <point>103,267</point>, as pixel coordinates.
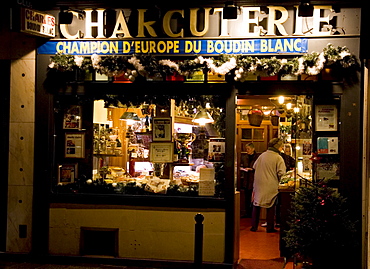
<point>178,46</point>
<point>37,23</point>
<point>251,22</point>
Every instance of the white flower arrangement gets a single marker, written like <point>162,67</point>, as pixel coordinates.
<point>79,60</point>
<point>221,70</point>
<point>312,63</point>
<point>137,65</point>
<point>170,64</point>
<point>95,61</point>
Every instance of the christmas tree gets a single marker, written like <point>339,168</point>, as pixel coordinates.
<point>320,226</point>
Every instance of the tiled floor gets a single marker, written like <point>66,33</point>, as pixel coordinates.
<point>259,245</point>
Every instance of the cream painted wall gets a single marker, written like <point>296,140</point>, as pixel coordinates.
<point>21,141</point>
<point>144,233</point>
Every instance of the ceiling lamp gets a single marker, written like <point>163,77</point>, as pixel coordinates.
<point>230,11</point>
<point>203,117</point>
<point>130,117</point>
<point>305,9</point>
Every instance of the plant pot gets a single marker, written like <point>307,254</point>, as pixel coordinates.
<point>213,77</point>
<point>255,117</point>
<point>309,77</point>
<point>175,77</point>
<point>289,77</point>
<point>251,77</point>
<point>121,79</point>
<point>328,74</point>
<point>100,77</point>
<point>267,78</point>
<point>197,76</point>
<point>88,76</point>
<point>156,77</point>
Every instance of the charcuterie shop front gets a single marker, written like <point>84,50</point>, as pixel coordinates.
<point>143,115</point>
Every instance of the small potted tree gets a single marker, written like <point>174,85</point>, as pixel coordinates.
<point>321,231</point>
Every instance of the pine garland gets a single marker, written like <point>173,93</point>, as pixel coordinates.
<point>238,66</point>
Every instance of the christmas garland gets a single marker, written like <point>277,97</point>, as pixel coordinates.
<point>239,66</point>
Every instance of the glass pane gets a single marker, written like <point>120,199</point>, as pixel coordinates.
<point>247,133</point>
<point>258,134</point>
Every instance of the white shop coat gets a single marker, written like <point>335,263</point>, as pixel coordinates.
<point>269,167</point>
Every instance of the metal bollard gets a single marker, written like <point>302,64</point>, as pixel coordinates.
<point>198,240</point>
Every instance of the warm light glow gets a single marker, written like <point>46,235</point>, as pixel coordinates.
<point>130,122</point>
<point>203,117</point>
<point>202,122</point>
<point>296,110</point>
<point>281,100</point>
<point>289,106</point>
<point>297,147</point>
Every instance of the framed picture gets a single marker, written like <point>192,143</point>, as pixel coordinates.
<point>326,118</point>
<point>72,118</point>
<point>162,129</point>
<point>327,145</point>
<point>216,150</point>
<point>74,145</point>
<point>67,173</point>
<point>327,170</point>
<point>161,152</point>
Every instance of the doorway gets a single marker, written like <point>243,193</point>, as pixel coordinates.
<point>286,117</point>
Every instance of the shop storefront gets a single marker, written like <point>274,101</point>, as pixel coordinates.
<point>122,164</point>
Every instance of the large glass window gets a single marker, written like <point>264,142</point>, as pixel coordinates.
<point>143,149</point>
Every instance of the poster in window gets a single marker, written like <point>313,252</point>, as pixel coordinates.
<point>327,170</point>
<point>327,145</point>
<point>216,150</point>
<point>72,118</point>
<point>161,152</point>
<point>326,118</point>
<point>67,173</point>
<point>74,145</point>
<point>162,129</point>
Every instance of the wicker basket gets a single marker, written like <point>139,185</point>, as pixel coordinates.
<point>255,117</point>
<point>274,118</point>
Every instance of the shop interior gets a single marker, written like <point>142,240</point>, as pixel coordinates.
<point>123,136</point>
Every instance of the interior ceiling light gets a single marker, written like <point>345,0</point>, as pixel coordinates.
<point>130,117</point>
<point>203,117</point>
<point>305,9</point>
<point>230,11</point>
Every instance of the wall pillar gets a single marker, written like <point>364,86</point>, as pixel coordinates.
<point>21,143</point>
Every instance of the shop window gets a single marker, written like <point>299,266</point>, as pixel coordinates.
<point>142,149</point>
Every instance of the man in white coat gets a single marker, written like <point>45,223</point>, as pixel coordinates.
<point>269,167</point>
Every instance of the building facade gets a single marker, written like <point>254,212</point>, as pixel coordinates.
<point>48,213</point>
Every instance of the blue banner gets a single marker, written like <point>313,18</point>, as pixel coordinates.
<point>177,46</point>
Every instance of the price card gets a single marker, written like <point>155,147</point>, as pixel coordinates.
<point>206,181</point>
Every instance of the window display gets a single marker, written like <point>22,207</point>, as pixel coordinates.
<point>151,149</point>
